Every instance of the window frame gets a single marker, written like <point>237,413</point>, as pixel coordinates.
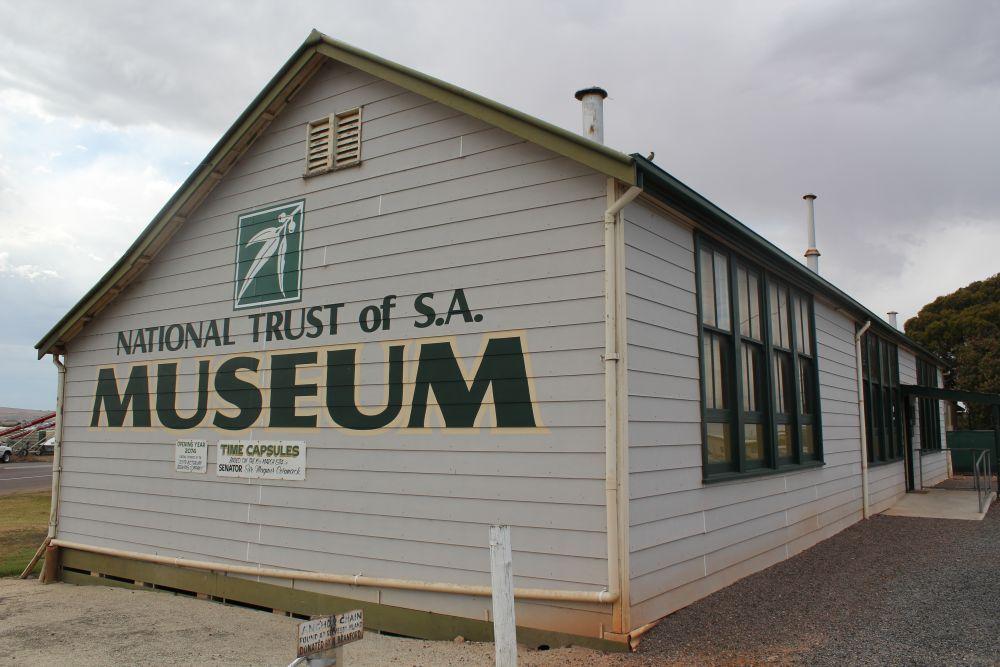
<point>735,339</point>
<point>928,409</point>
<point>884,415</point>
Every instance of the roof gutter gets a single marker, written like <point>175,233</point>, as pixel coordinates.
<point>661,185</point>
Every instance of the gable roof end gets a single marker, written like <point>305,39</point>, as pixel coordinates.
<point>306,60</point>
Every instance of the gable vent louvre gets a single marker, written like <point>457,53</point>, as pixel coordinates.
<point>333,142</point>
<point>318,151</point>
<point>347,128</point>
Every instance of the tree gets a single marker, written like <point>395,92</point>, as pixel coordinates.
<point>963,328</point>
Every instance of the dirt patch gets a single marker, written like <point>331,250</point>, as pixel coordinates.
<point>97,625</point>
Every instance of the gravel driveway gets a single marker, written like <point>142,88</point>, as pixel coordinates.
<point>889,591</point>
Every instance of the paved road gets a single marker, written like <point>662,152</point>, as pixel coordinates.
<point>29,476</point>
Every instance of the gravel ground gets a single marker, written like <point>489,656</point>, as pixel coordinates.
<point>889,591</point>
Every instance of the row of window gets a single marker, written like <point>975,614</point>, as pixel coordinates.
<point>884,412</point>
<point>759,388</point>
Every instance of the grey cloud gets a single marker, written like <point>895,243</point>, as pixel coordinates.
<point>885,49</point>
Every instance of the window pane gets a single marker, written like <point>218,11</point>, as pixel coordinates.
<point>753,442</point>
<point>750,371</point>
<point>783,395</point>
<point>884,361</point>
<point>749,304</point>
<point>808,442</point>
<point>707,288</point>
<point>873,359</point>
<point>864,357</point>
<point>741,286</point>
<point>806,397</point>
<point>716,354</point>
<point>803,329</point>
<point>784,441</point>
<point>720,443</point>
<point>721,291</point>
<point>779,316</point>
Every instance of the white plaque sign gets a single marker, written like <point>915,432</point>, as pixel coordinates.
<point>323,634</point>
<point>261,459</point>
<point>190,456</point>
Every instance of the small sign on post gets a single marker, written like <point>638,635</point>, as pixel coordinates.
<point>502,570</point>
<point>320,639</point>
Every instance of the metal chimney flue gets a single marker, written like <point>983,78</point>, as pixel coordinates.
<point>893,318</point>
<point>812,253</point>
<point>593,112</point>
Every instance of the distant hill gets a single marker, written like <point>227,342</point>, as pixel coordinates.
<point>18,415</point>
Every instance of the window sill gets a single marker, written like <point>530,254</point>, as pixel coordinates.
<point>761,472</point>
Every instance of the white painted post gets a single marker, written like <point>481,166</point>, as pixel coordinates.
<point>502,570</point>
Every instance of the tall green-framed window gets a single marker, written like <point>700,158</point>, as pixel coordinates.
<point>928,409</point>
<point>883,413</point>
<point>760,392</point>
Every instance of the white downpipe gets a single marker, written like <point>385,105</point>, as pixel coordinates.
<point>861,419</point>
<point>611,357</point>
<point>57,448</point>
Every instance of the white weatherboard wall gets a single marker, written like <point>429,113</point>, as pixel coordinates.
<point>689,539</point>
<point>441,201</point>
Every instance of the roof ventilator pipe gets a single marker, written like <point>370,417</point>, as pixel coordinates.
<point>593,112</point>
<point>812,253</point>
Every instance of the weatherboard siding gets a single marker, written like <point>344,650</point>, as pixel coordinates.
<point>441,201</point>
<point>689,539</point>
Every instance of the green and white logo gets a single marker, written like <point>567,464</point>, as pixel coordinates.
<point>269,256</point>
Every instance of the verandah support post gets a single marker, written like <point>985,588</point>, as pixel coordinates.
<point>502,571</point>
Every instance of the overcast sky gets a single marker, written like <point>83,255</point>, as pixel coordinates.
<point>889,111</point>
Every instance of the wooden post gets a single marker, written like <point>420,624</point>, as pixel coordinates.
<point>502,570</point>
<point>34,559</point>
<point>50,570</point>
